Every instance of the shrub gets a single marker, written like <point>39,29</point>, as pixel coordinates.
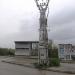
<point>11,52</point>
<point>6,51</point>
<point>54,62</point>
<point>54,53</point>
<point>53,56</point>
<point>40,66</point>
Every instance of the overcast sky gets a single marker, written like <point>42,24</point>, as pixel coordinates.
<point>19,20</point>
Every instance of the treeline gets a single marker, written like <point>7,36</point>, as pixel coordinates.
<point>6,51</point>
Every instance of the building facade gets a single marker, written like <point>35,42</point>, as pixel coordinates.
<point>66,51</point>
<point>26,48</point>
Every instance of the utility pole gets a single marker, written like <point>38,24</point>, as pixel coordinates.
<point>43,35</point>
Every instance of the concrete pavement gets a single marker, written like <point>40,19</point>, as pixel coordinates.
<point>10,69</point>
<point>64,68</point>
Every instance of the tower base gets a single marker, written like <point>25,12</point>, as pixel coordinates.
<point>43,55</point>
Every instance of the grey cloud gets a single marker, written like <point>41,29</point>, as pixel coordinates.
<point>66,15</point>
<point>65,32</point>
<point>23,22</point>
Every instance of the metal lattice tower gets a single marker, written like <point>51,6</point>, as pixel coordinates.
<point>43,35</point>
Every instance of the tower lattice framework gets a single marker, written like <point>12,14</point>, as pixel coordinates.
<point>43,35</point>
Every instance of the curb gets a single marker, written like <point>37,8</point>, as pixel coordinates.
<point>68,72</point>
<point>18,64</point>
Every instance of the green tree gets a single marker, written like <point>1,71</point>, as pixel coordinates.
<point>53,55</point>
<point>49,50</point>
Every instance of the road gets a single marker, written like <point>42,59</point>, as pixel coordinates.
<point>10,69</point>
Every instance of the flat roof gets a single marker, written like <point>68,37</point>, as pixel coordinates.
<point>64,44</point>
<point>26,41</point>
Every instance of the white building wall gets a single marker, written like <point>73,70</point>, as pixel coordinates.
<point>23,49</point>
<point>61,52</point>
<point>69,51</point>
<point>22,52</point>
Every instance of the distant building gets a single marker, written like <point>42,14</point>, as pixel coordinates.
<point>66,51</point>
<point>26,48</point>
